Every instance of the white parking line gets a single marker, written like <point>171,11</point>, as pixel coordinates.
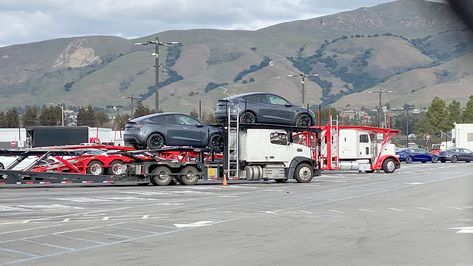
<point>365,210</point>
<point>47,245</point>
<point>455,208</point>
<point>80,239</point>
<point>395,209</point>
<point>145,217</point>
<point>425,209</point>
<point>66,220</point>
<point>108,234</point>
<point>336,211</point>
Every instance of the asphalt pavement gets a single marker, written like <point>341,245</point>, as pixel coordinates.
<point>420,215</point>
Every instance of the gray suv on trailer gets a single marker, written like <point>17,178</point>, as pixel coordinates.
<point>262,107</point>
<point>171,129</point>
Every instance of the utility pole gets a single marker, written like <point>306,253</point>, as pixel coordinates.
<point>380,110</point>
<point>132,102</point>
<point>156,43</point>
<point>303,76</point>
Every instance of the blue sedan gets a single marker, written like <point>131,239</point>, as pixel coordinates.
<point>416,155</point>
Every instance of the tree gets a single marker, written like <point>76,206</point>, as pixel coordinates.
<point>194,114</point>
<point>120,121</point>
<point>12,118</point>
<point>208,118</point>
<point>101,118</point>
<point>86,117</point>
<point>31,116</point>
<point>141,110</point>
<point>3,120</point>
<point>435,116</point>
<point>50,116</point>
<point>468,113</point>
<point>453,114</point>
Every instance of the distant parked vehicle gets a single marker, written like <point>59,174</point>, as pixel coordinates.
<point>171,129</point>
<point>456,154</point>
<point>261,107</point>
<point>416,155</point>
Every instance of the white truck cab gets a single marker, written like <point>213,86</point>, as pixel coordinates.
<point>271,154</point>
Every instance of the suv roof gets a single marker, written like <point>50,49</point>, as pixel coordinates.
<point>233,97</point>
<point>141,118</point>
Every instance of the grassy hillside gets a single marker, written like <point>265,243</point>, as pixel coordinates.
<point>415,48</point>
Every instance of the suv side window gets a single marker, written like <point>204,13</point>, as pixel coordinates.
<point>279,138</point>
<point>256,98</point>
<point>186,120</point>
<point>164,119</point>
<point>273,99</point>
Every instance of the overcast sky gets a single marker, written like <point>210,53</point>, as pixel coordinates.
<point>35,20</point>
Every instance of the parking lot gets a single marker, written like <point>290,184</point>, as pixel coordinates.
<point>421,214</point>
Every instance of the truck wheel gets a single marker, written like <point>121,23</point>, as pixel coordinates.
<point>435,159</point>
<point>189,175</point>
<point>161,176</point>
<point>94,167</point>
<point>408,159</point>
<point>389,165</point>
<point>155,141</point>
<point>304,173</point>
<point>116,168</point>
<point>2,166</point>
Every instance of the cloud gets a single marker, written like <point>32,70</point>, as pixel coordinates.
<point>34,20</point>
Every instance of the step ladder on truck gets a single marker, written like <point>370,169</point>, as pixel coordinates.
<point>362,148</point>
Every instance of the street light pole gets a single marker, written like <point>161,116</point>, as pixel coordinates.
<point>62,112</point>
<point>380,111</point>
<point>157,43</point>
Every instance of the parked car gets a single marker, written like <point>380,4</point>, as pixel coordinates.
<point>171,129</point>
<point>416,155</point>
<point>261,107</point>
<point>456,154</point>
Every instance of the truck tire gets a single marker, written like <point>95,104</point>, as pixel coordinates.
<point>304,173</point>
<point>389,165</point>
<point>161,176</point>
<point>189,175</point>
<point>94,167</point>
<point>2,166</point>
<point>435,159</point>
<point>115,168</point>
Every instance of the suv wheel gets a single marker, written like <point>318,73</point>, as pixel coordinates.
<point>303,120</point>
<point>247,118</point>
<point>216,142</point>
<point>155,141</point>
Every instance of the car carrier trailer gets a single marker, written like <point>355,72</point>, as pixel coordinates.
<point>252,152</point>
